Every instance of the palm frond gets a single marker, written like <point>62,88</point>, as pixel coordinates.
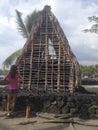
<point>21,26</point>
<point>25,29</point>
<point>30,19</point>
<point>10,59</point>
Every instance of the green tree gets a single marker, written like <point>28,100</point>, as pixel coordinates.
<point>24,27</point>
<point>88,70</point>
<point>94,27</point>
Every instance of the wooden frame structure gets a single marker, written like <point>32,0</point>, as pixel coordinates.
<point>47,62</point>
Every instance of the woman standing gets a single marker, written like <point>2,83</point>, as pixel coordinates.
<point>13,77</point>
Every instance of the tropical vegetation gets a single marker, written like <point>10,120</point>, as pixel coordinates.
<point>88,70</point>
<point>24,27</point>
<point>94,27</point>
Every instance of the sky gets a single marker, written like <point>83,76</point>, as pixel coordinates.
<point>72,16</point>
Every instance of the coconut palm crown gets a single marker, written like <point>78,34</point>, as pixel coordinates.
<point>24,27</point>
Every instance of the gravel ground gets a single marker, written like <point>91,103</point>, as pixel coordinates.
<point>39,123</point>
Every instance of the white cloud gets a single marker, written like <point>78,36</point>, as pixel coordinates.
<point>72,15</point>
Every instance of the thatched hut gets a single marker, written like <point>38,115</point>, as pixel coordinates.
<point>47,62</point>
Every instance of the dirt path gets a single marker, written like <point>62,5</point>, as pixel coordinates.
<point>39,123</point>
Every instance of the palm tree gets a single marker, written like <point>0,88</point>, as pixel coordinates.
<point>10,59</point>
<point>24,28</point>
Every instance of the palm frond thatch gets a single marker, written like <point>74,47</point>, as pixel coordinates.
<point>30,20</point>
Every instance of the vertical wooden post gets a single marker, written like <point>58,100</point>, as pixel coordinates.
<point>23,73</point>
<point>31,63</point>
<point>46,55</point>
<point>39,65</point>
<point>58,76</point>
<point>71,87</point>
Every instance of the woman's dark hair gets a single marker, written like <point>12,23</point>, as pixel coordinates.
<point>13,71</point>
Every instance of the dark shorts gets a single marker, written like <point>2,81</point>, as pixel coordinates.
<point>13,91</point>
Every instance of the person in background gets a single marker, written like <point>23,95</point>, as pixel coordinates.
<point>12,77</point>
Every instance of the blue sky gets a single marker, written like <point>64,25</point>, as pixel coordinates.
<point>72,16</point>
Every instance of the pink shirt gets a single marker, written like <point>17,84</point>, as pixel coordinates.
<point>13,82</point>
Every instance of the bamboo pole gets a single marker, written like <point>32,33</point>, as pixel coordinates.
<point>58,76</point>
<point>46,55</point>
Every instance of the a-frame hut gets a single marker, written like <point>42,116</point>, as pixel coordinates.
<point>47,61</point>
